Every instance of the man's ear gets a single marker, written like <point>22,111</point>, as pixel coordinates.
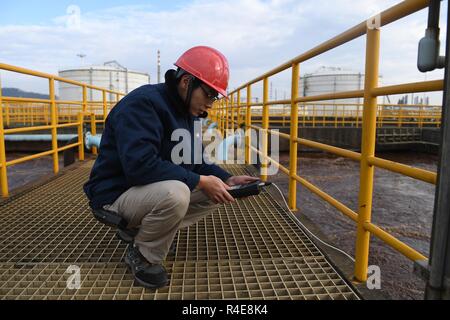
<point>184,82</point>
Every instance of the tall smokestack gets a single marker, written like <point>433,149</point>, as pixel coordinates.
<point>159,66</point>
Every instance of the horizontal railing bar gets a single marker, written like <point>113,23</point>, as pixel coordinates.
<point>424,86</point>
<point>409,171</point>
<point>394,242</point>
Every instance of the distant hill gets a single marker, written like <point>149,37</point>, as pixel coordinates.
<point>14,92</point>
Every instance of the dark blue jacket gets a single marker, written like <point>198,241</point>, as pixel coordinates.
<point>136,145</point>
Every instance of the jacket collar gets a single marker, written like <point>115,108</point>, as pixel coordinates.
<point>172,93</point>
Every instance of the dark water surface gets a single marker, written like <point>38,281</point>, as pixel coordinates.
<point>402,206</point>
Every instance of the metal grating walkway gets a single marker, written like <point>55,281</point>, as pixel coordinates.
<point>252,249</point>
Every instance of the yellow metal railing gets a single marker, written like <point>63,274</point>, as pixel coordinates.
<point>17,112</point>
<point>50,114</point>
<point>344,115</point>
<point>225,113</point>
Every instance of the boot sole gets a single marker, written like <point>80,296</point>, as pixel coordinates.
<point>141,282</point>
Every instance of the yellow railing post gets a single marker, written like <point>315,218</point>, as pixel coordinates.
<point>80,121</point>
<point>314,117</point>
<point>367,151</point>
<point>224,115</point>
<point>219,115</point>
<point>84,105</point>
<point>294,136</point>
<point>7,114</point>
<point>232,111</point>
<point>54,123</point>
<point>105,108</point>
<point>265,126</point>
<point>248,123</point>
<point>3,173</point>
<point>420,116</point>
<point>93,131</point>
<point>335,115</point>
<point>238,106</point>
<point>30,114</point>
<point>227,120</point>
<point>357,116</point>
<point>324,112</point>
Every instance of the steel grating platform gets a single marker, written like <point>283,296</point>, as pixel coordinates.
<point>252,249</point>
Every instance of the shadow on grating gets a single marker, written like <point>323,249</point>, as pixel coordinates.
<point>251,249</point>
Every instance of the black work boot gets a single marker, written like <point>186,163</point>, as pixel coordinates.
<point>149,275</point>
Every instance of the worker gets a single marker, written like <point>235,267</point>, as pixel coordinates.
<point>134,174</point>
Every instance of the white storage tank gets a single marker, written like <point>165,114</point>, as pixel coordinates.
<point>330,80</point>
<point>111,76</point>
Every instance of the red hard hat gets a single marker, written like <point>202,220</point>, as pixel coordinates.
<point>208,65</point>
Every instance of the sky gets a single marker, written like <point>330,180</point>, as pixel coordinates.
<point>255,36</point>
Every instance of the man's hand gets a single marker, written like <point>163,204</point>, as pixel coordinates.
<point>235,180</point>
<point>215,189</point>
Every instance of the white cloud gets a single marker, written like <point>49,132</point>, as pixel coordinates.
<point>255,35</point>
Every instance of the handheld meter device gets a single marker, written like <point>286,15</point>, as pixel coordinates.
<point>245,190</point>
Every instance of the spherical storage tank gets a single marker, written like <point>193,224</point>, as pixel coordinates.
<point>111,76</point>
<point>331,80</point>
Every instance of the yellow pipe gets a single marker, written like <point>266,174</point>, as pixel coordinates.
<point>27,129</point>
<point>313,144</point>
<point>30,157</point>
<point>7,114</point>
<point>72,124</point>
<point>227,102</point>
<point>17,99</point>
<point>238,109</point>
<point>265,126</point>
<point>80,137</point>
<point>69,146</point>
<point>232,111</point>
<point>3,173</point>
<point>401,247</point>
<point>332,96</point>
<point>335,150</point>
<point>424,86</point>
<point>273,102</point>
<point>93,131</point>
<point>368,150</point>
<point>293,138</point>
<point>406,170</point>
<point>335,203</point>
<point>248,123</point>
<point>84,99</point>
<point>105,110</point>
<point>53,125</point>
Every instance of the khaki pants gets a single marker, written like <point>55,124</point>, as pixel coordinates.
<point>159,210</point>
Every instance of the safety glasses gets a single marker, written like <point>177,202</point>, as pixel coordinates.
<point>212,95</point>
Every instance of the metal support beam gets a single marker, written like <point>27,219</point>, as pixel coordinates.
<point>438,285</point>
